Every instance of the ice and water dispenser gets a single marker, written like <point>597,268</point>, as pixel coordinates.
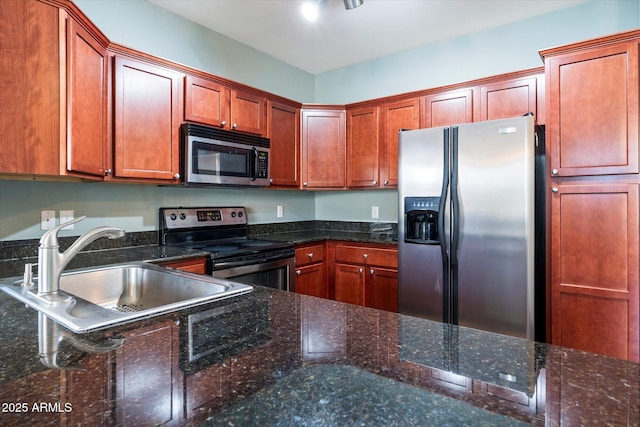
<point>421,220</point>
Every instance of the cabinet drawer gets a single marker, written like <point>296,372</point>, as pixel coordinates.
<point>309,255</point>
<point>367,255</point>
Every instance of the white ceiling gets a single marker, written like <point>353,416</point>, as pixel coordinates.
<point>344,37</point>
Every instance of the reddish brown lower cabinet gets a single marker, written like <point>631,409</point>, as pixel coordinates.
<point>194,265</point>
<point>311,278</point>
<point>366,274</point>
<point>594,275</point>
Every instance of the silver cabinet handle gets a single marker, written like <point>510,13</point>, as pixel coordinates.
<point>297,272</point>
<point>235,126</point>
<point>554,189</point>
<point>304,184</point>
<point>108,171</point>
<point>371,271</point>
<point>386,182</point>
<point>365,256</point>
<point>176,176</point>
<point>310,255</point>
<point>375,182</point>
<point>361,269</point>
<point>223,123</point>
<point>554,171</point>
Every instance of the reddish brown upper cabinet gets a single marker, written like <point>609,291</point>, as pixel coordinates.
<point>363,149</point>
<point>54,96</point>
<point>592,114</point>
<point>206,102</point>
<point>323,148</point>
<point>594,268</point>
<point>284,132</point>
<point>395,116</point>
<point>212,103</point>
<point>511,98</point>
<point>147,120</point>
<point>447,108</point>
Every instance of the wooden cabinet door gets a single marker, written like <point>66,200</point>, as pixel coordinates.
<point>350,284</point>
<point>511,98</point>
<point>87,140</point>
<point>383,289</point>
<point>311,280</point>
<point>248,113</point>
<point>448,108</point>
<point>31,88</point>
<point>146,377</point>
<point>147,120</point>
<point>323,149</point>
<point>206,101</point>
<point>362,148</point>
<point>284,132</point>
<point>197,265</point>
<point>594,268</point>
<point>393,117</point>
<point>592,121</point>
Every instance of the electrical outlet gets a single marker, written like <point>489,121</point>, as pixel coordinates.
<point>66,216</point>
<point>279,211</point>
<point>47,220</point>
<point>375,212</point>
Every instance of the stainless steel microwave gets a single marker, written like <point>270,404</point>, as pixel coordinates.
<point>211,156</point>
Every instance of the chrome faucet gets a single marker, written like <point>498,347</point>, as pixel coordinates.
<point>51,261</point>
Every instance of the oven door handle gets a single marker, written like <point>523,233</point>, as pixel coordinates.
<point>233,264</point>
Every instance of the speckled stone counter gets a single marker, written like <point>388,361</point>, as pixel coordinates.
<point>276,358</point>
<point>315,231</point>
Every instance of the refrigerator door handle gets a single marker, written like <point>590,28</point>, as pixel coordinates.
<point>443,234</point>
<point>455,228</point>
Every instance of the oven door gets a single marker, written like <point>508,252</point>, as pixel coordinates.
<point>276,274</point>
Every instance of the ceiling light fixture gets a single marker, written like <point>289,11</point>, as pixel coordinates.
<point>352,4</point>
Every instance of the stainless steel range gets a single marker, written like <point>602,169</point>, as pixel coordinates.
<point>222,231</point>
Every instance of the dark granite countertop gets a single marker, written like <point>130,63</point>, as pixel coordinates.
<point>316,231</point>
<point>276,358</point>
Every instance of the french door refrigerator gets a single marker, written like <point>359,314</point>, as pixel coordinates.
<point>467,225</point>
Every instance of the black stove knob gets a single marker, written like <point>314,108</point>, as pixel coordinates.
<point>173,217</point>
<point>240,214</point>
<point>183,216</point>
<point>233,214</point>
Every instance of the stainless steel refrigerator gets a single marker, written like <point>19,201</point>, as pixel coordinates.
<point>467,225</point>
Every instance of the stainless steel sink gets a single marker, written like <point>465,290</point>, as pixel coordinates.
<point>107,296</point>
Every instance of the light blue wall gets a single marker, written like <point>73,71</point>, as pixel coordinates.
<point>146,27</point>
<point>151,29</point>
<point>132,207</point>
<point>500,50</point>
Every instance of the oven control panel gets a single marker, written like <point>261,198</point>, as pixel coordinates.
<point>177,218</point>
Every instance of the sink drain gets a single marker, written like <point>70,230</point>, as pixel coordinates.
<point>128,308</point>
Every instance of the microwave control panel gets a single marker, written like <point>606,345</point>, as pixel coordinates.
<point>262,170</point>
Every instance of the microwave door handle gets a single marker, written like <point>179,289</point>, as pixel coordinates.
<point>253,163</point>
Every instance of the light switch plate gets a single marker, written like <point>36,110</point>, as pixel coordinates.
<point>47,220</point>
<point>66,216</point>
<point>279,211</point>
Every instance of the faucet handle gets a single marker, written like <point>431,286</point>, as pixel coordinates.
<point>50,238</point>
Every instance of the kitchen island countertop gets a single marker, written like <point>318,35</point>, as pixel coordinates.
<point>279,358</point>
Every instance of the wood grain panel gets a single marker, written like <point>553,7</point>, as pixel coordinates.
<point>449,108</point>
<point>594,268</point>
<point>323,149</point>
<point>403,114</point>
<point>87,144</point>
<point>512,98</point>
<point>248,113</point>
<point>362,147</point>
<point>593,111</point>
<point>284,132</point>
<point>205,101</point>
